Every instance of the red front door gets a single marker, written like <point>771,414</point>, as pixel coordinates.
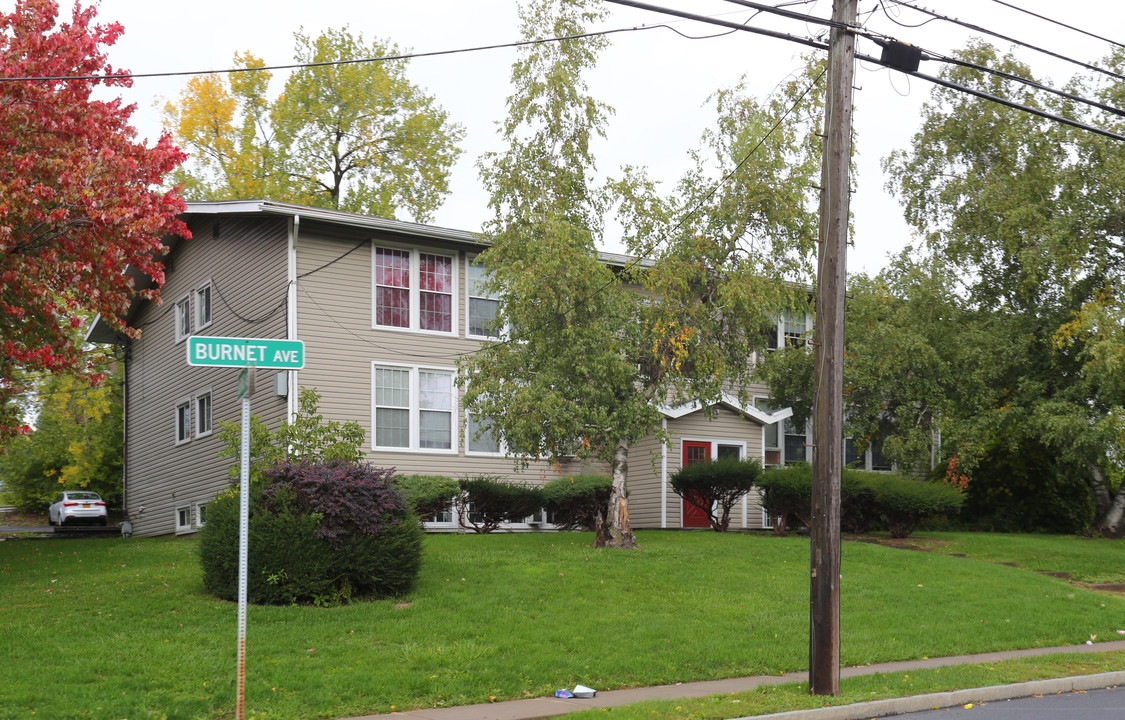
<point>693,516</point>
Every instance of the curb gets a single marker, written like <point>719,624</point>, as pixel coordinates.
<point>937,701</point>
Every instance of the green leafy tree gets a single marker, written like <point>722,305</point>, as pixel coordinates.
<point>565,382</point>
<point>357,136</point>
<point>917,362</point>
<point>730,249</point>
<point>309,438</point>
<point>594,350</point>
<point>1030,212</point>
<point>76,444</point>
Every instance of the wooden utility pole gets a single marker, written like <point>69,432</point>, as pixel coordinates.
<point>828,407</point>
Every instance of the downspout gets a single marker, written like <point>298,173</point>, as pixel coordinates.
<point>291,313</point>
<point>126,524</point>
<point>664,474</point>
<point>762,450</point>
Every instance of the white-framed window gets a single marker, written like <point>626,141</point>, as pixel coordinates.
<point>771,448</point>
<point>716,450</point>
<point>183,519</point>
<point>200,514</point>
<point>795,442</point>
<point>870,459</point>
<point>480,437</point>
<point>203,426</point>
<point>414,290</point>
<point>480,320</point>
<point>790,330</point>
<point>183,318</point>
<point>183,421</point>
<point>414,408</point>
<point>203,306</point>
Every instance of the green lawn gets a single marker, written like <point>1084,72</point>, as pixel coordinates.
<point>1093,560</point>
<point>125,627</point>
<point>795,696</point>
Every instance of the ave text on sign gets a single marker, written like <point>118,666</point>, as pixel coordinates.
<point>264,353</point>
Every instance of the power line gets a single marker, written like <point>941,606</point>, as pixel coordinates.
<point>877,61</point>
<point>808,42</point>
<point>1060,24</point>
<point>977,28</point>
<point>1008,103</point>
<point>354,61</point>
<point>1026,81</point>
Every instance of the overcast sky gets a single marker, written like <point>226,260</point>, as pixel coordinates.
<point>657,81</point>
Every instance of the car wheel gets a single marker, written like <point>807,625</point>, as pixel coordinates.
<point>105,521</point>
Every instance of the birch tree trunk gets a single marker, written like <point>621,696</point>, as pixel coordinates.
<point>1111,515</point>
<point>615,531</point>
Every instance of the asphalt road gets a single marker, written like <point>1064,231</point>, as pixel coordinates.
<point>1102,704</point>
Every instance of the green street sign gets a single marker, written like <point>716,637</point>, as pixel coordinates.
<point>242,352</point>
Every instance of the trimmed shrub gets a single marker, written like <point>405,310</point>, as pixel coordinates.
<point>716,484</point>
<point>576,502</point>
<point>319,534</point>
<point>787,492</point>
<point>428,495</point>
<point>486,501</point>
<point>859,508</point>
<point>903,503</point>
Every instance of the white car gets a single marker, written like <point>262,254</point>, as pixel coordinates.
<point>77,506</point>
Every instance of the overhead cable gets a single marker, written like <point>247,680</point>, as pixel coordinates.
<point>1001,36</point>
<point>1060,24</point>
<point>354,61</point>
<point>867,58</point>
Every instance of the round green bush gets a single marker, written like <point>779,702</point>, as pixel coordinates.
<point>428,495</point>
<point>576,501</point>
<point>318,534</point>
<point>786,492</point>
<point>486,502</point>
<point>904,503</point>
<point>718,483</point>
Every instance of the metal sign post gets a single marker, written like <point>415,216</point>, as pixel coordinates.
<point>243,549</point>
<point>245,353</point>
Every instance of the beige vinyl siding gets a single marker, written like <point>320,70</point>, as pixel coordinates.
<point>335,318</point>
<point>727,427</point>
<point>645,486</point>
<point>246,264</point>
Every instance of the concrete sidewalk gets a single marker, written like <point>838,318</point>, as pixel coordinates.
<point>550,706</point>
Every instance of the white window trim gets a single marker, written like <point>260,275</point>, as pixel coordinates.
<point>415,411</point>
<point>211,407</point>
<point>199,324</point>
<point>181,528</point>
<point>182,402</point>
<point>200,511</point>
<point>502,452</point>
<point>715,443</point>
<point>502,333</point>
<point>416,290</point>
<point>182,333</point>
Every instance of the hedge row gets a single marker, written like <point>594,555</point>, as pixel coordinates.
<point>484,502</point>
<point>867,499</point>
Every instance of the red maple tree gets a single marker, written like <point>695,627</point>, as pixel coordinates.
<point>80,197</point>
